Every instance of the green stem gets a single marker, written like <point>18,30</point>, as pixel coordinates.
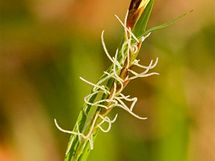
<point>79,147</point>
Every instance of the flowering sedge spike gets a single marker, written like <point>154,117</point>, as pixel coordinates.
<point>107,94</point>
<point>121,73</point>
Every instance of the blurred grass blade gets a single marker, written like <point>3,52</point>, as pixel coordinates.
<point>167,24</point>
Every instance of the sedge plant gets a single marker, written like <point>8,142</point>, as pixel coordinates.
<point>106,94</point>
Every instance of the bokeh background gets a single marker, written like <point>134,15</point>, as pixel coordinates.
<point>46,45</point>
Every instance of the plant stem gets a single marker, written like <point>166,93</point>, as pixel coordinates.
<point>106,94</point>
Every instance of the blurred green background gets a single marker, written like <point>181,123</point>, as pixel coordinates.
<point>46,45</point>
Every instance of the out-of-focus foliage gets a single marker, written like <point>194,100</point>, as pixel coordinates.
<point>46,45</point>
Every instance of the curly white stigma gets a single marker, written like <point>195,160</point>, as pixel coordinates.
<point>114,98</point>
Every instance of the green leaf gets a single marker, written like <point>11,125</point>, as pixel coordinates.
<point>140,27</point>
<point>167,24</point>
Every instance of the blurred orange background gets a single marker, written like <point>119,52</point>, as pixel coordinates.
<point>46,45</point>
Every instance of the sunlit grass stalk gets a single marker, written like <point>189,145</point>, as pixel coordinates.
<point>107,94</point>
